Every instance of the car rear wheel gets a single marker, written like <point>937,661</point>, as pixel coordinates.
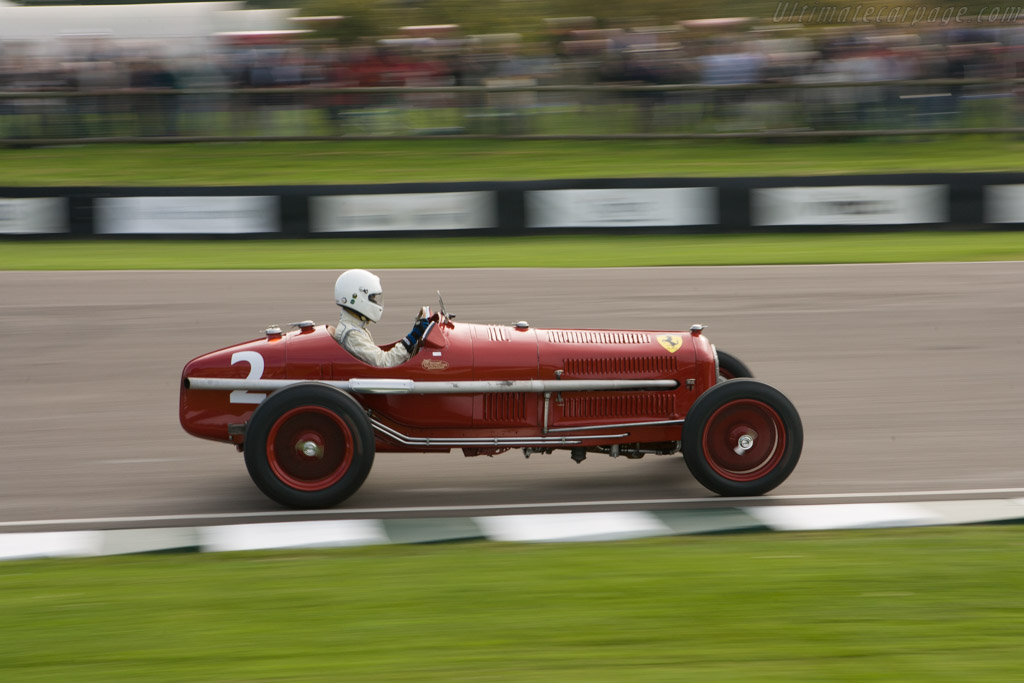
<point>309,446</point>
<point>742,438</point>
<point>731,367</point>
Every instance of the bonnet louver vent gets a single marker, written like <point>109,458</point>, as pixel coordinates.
<point>497,333</point>
<point>620,367</point>
<point>583,337</point>
<point>635,405</point>
<point>504,407</point>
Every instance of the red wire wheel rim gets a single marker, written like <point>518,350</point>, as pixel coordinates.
<point>310,448</point>
<point>727,427</point>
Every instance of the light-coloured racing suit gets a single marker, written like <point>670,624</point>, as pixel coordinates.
<point>352,334</point>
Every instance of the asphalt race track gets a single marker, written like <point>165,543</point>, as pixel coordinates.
<point>909,379</point>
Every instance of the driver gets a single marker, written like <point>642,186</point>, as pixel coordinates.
<point>360,296</point>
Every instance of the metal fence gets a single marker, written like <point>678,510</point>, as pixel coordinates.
<point>517,109</point>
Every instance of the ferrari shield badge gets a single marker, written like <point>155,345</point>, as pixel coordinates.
<point>671,342</point>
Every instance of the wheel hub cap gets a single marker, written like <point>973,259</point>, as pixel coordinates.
<point>745,443</point>
<point>309,448</point>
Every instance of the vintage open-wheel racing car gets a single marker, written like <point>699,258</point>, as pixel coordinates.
<point>309,416</point>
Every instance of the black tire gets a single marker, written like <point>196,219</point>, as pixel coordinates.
<point>309,446</point>
<point>731,367</point>
<point>714,438</point>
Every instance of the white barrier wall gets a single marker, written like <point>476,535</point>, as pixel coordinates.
<point>963,201</point>
<point>850,205</point>
<point>391,212</point>
<point>33,216</point>
<point>186,215</point>
<point>1004,204</point>
<point>617,208</point>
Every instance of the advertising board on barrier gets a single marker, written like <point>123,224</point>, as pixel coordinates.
<point>1004,204</point>
<point>868,203</point>
<point>849,205</point>
<point>186,215</point>
<point>618,208</point>
<point>33,216</point>
<point>416,211</point>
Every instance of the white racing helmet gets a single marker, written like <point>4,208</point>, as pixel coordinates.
<point>360,291</point>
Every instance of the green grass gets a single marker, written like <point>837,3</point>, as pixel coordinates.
<point>296,163</point>
<point>900,605</point>
<point>556,251</point>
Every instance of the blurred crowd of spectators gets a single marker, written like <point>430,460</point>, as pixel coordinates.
<point>724,53</point>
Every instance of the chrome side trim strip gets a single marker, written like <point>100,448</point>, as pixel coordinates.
<point>408,386</point>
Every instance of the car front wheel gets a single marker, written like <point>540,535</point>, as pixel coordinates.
<point>742,438</point>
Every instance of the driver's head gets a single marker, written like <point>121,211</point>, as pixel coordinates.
<point>360,292</point>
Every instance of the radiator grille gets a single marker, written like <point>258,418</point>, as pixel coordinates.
<point>589,337</point>
<point>504,407</point>
<point>620,367</point>
<point>632,405</point>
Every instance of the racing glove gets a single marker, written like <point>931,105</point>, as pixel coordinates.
<point>414,337</point>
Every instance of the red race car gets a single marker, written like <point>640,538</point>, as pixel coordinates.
<point>309,416</point>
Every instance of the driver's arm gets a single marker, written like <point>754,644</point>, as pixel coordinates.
<point>361,345</point>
